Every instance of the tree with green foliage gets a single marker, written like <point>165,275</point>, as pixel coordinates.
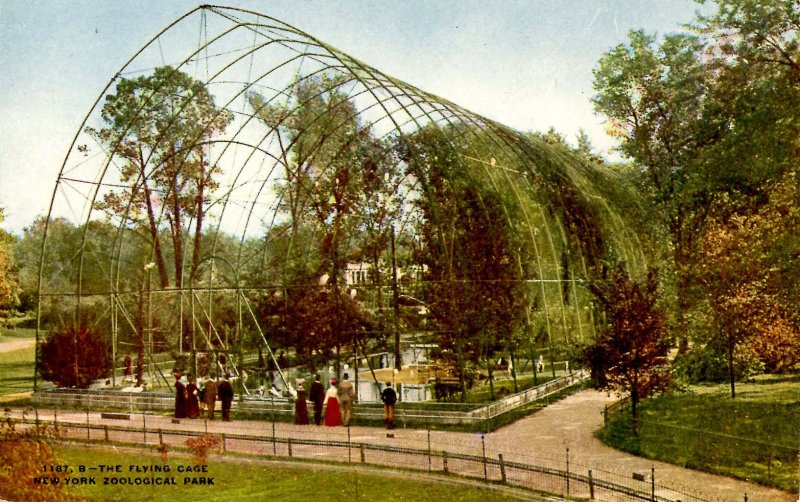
<point>9,283</point>
<point>703,115</point>
<point>630,354</point>
<point>473,280</point>
<point>157,127</point>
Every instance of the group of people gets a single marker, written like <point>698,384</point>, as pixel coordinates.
<point>188,398</point>
<point>336,403</point>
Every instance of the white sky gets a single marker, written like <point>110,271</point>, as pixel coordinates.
<point>526,63</point>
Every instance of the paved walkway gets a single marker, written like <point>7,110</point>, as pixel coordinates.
<point>13,345</point>
<point>540,439</point>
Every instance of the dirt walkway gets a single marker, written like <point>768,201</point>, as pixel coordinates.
<point>571,424</point>
<point>16,345</point>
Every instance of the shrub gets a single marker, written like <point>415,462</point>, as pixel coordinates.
<point>201,445</point>
<point>75,357</point>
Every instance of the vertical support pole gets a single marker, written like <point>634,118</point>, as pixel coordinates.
<point>396,297</point>
<point>36,411</point>
<point>502,468</point>
<point>144,428</point>
<point>591,485</point>
<point>274,446</point>
<point>224,443</point>
<point>485,466</point>
<point>55,420</point>
<point>349,450</point>
<point>605,415</point>
<point>160,437</point>
<point>444,462</point>
<point>87,425</point>
<point>206,422</point>
<point>289,446</point>
<point>105,428</point>
<point>363,456</point>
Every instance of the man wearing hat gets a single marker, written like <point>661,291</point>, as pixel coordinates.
<point>225,393</point>
<point>346,396</point>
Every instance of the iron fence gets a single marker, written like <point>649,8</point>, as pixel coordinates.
<point>424,451</point>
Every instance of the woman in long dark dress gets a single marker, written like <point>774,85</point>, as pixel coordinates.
<point>180,397</point>
<point>300,406</point>
<point>192,404</point>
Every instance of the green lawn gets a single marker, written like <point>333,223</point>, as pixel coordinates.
<point>16,371</point>
<point>755,436</point>
<point>243,479</point>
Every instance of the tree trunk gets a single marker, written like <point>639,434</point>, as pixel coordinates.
<point>163,278</point>
<point>177,232</point>
<point>198,229</point>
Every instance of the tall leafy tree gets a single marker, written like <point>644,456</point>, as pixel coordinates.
<point>630,355</point>
<point>9,283</point>
<point>703,114</point>
<point>157,127</point>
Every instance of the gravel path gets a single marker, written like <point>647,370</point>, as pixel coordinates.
<point>16,345</point>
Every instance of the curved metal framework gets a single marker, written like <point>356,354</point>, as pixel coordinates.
<point>255,67</point>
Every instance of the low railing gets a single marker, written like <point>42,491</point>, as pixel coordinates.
<point>406,414</point>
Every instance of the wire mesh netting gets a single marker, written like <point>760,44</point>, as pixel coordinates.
<point>221,193</point>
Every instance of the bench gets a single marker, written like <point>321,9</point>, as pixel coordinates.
<point>116,416</point>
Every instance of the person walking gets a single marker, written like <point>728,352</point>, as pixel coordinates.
<point>317,396</point>
<point>347,394</point>
<point>180,397</point>
<point>300,406</point>
<point>225,394</point>
<point>333,416</point>
<point>389,398</point>
<point>211,396</point>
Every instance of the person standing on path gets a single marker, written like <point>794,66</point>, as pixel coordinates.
<point>211,396</point>
<point>180,397</point>
<point>300,406</point>
<point>389,398</point>
<point>333,416</point>
<point>317,396</point>
<point>347,394</point>
<point>225,393</point>
<point>192,405</point>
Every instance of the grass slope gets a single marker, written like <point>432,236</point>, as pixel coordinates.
<point>244,480</point>
<point>753,437</point>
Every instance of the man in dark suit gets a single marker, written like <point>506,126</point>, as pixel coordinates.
<point>225,393</point>
<point>317,395</point>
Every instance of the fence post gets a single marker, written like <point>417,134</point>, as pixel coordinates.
<point>206,421</point>
<point>567,471</point>
<point>160,437</point>
<point>224,444</point>
<point>444,462</point>
<point>289,446</point>
<point>502,468</point>
<point>55,420</point>
<point>144,427</point>
<point>363,457</point>
<point>653,483</point>
<point>430,461</point>
<point>605,415</point>
<point>349,451</point>
<point>591,485</point>
<point>36,410</point>
<point>105,427</point>
<point>485,466</point>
